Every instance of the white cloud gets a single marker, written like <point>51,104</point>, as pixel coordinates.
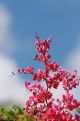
<point>11,87</point>
<point>73,62</point>
<point>5,22</point>
<point>7,43</point>
<point>73,59</point>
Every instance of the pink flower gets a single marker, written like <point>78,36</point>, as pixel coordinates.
<point>18,70</point>
<point>42,46</point>
<point>52,66</point>
<point>30,69</point>
<point>24,70</point>
<point>39,75</point>
<point>41,104</point>
<point>70,102</point>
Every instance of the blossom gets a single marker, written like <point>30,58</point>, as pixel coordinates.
<point>70,102</point>
<point>26,70</point>
<point>53,66</point>
<point>42,46</point>
<point>42,104</point>
<point>30,69</point>
<point>39,75</point>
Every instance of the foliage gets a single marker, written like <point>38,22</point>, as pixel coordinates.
<point>15,113</point>
<point>78,110</point>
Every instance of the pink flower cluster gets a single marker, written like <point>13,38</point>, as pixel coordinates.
<point>41,103</point>
<point>70,102</point>
<point>42,46</point>
<point>29,69</point>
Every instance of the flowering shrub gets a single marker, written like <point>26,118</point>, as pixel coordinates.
<point>42,104</point>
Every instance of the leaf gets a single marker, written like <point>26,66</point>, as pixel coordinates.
<point>7,114</point>
<point>78,110</point>
<point>18,109</point>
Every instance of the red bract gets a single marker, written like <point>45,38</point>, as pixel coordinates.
<point>42,46</point>
<point>70,102</point>
<point>26,70</point>
<point>39,75</point>
<point>18,70</point>
<point>52,66</point>
<point>42,57</point>
<point>34,87</point>
<point>30,69</point>
<point>69,80</point>
<point>41,103</point>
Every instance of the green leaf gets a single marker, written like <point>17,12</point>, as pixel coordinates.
<point>7,114</point>
<point>18,109</point>
<point>78,110</point>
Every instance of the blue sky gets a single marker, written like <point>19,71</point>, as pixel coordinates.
<point>22,18</point>
<point>59,19</point>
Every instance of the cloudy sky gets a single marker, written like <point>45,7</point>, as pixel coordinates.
<point>19,20</point>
